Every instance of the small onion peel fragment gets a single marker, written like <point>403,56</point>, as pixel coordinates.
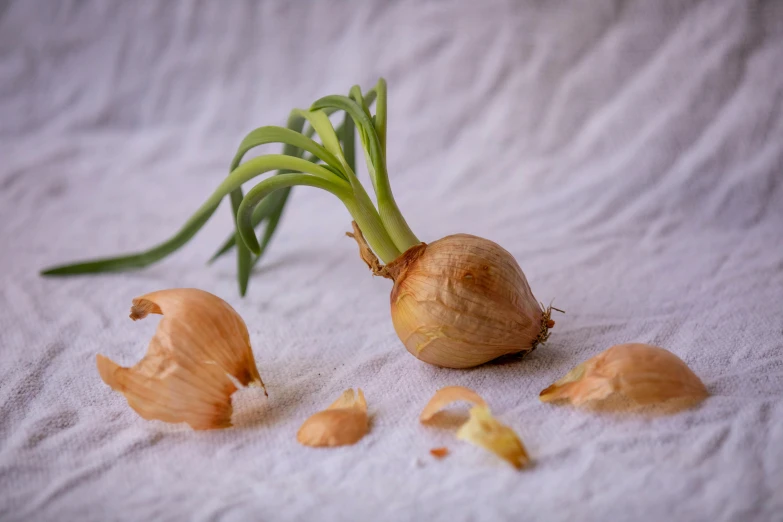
<point>628,377</point>
<point>439,453</point>
<point>446,396</point>
<point>486,431</point>
<point>343,422</point>
<point>184,376</point>
<point>481,429</point>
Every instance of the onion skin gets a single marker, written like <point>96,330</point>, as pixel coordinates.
<point>462,301</point>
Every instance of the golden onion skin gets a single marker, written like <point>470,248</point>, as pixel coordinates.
<point>462,301</point>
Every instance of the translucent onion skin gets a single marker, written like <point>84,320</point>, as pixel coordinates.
<point>462,301</point>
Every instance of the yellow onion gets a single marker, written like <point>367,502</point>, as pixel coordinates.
<point>457,302</point>
<point>461,301</point>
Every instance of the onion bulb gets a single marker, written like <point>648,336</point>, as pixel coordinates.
<point>461,301</point>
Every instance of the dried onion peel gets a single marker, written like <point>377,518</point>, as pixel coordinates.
<point>344,422</point>
<point>184,377</point>
<point>439,453</point>
<point>457,302</point>
<point>486,431</point>
<point>481,429</point>
<point>629,376</point>
<point>445,396</point>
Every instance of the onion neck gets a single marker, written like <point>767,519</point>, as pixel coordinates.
<point>370,223</point>
<point>395,269</point>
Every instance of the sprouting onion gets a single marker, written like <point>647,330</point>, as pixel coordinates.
<point>457,302</point>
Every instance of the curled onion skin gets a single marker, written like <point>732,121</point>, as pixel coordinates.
<point>184,377</point>
<point>462,301</point>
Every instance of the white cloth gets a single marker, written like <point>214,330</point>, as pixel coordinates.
<point>629,154</point>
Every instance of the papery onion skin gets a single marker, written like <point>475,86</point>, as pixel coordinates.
<point>343,423</point>
<point>447,395</point>
<point>184,376</point>
<point>484,430</point>
<point>628,377</point>
<point>462,301</point>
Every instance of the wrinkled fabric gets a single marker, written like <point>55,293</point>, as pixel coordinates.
<point>628,154</point>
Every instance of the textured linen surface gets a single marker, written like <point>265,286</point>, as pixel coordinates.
<point>628,154</point>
